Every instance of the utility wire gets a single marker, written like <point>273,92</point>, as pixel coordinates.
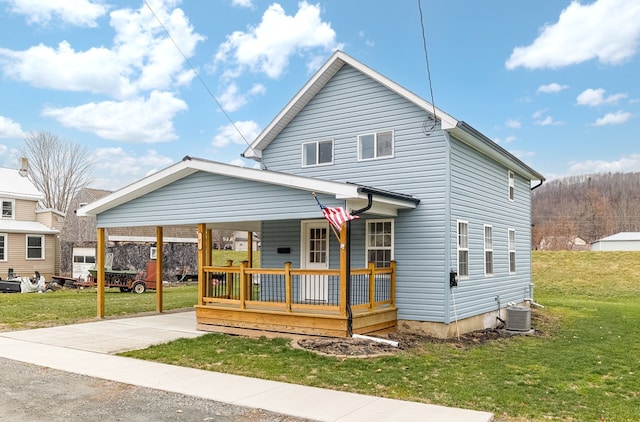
<point>426,56</point>
<point>197,74</point>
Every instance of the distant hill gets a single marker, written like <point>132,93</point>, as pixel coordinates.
<point>590,206</point>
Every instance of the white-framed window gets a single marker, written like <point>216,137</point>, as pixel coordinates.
<point>512,251</point>
<point>35,246</point>
<point>375,145</point>
<point>317,153</point>
<point>8,209</point>
<point>153,252</point>
<point>488,250</point>
<point>463,249</point>
<point>380,242</point>
<point>3,247</point>
<point>512,186</point>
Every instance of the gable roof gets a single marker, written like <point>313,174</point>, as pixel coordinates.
<point>459,129</point>
<point>17,187</point>
<point>191,165</point>
<point>621,237</point>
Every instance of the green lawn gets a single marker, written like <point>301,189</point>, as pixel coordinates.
<point>583,366</point>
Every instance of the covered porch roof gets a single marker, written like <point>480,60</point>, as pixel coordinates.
<point>267,185</point>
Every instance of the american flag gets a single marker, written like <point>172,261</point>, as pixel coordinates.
<point>336,216</point>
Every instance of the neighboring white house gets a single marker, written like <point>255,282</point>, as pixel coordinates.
<point>623,241</point>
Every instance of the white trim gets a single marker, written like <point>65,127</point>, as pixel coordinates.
<point>190,166</point>
<point>42,247</point>
<point>13,208</point>
<point>511,246</point>
<point>375,146</point>
<point>462,249</point>
<point>317,157</point>
<point>317,82</point>
<point>484,231</point>
<point>368,247</point>
<point>5,245</point>
<point>511,181</point>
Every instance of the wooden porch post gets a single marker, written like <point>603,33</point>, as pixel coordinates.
<point>208,236</point>
<point>100,272</point>
<point>393,283</point>
<point>202,228</point>
<point>372,284</point>
<point>250,248</point>
<point>344,277</point>
<point>159,266</point>
<point>287,285</point>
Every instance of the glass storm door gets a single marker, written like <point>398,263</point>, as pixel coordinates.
<point>315,256</point>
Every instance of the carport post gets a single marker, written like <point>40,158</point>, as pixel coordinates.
<point>159,265</point>
<point>100,272</point>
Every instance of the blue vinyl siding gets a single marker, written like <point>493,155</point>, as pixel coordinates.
<point>480,196</point>
<point>205,197</point>
<point>351,105</point>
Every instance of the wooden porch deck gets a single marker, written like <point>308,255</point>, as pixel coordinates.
<point>297,301</point>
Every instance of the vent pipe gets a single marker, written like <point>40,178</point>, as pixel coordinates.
<point>24,167</point>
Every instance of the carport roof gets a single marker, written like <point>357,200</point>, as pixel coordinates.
<point>190,165</point>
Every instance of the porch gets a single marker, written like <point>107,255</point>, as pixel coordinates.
<point>297,300</point>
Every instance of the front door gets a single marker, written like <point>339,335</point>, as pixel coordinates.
<point>314,256</point>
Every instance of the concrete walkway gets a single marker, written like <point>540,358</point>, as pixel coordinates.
<point>88,349</point>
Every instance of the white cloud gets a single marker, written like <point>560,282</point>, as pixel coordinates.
<point>242,3</point>
<point>10,129</point>
<point>138,120</point>
<point>630,163</point>
<point>74,12</point>
<point>551,88</point>
<point>547,121</point>
<point>605,29</point>
<point>232,100</point>
<point>118,168</point>
<point>227,134</point>
<point>513,123</point>
<point>595,97</point>
<point>616,118</point>
<point>267,47</point>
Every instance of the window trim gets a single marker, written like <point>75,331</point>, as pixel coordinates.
<point>375,145</point>
<point>460,248</point>
<point>512,251</point>
<point>368,247</point>
<point>5,245</point>
<point>488,248</point>
<point>317,144</point>
<point>13,208</point>
<point>42,247</point>
<point>511,192</point>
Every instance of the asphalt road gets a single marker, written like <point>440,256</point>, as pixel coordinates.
<point>30,393</point>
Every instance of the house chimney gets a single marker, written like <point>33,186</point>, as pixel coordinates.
<point>24,166</point>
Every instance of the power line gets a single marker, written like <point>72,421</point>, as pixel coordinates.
<point>426,56</point>
<point>197,74</point>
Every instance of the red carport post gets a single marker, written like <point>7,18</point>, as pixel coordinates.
<point>159,265</point>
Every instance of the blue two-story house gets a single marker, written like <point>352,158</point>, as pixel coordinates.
<point>441,245</point>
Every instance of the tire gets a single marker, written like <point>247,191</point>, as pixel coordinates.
<point>139,288</point>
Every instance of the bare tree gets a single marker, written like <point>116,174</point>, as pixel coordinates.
<point>57,167</point>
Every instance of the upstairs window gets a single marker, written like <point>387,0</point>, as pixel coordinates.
<point>35,246</point>
<point>463,249</point>
<point>512,186</point>
<point>317,153</point>
<point>8,211</point>
<point>380,242</point>
<point>375,145</point>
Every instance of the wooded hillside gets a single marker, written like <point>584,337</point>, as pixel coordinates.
<point>590,207</point>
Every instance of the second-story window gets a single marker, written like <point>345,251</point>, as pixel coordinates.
<point>512,186</point>
<point>375,145</point>
<point>7,209</point>
<point>317,153</point>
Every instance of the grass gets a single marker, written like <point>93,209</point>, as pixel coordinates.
<point>585,366</point>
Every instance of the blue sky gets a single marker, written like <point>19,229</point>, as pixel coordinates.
<point>554,82</point>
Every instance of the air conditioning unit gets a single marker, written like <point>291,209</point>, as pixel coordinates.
<point>518,318</point>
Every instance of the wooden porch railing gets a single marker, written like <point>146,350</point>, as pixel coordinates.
<point>295,290</point>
